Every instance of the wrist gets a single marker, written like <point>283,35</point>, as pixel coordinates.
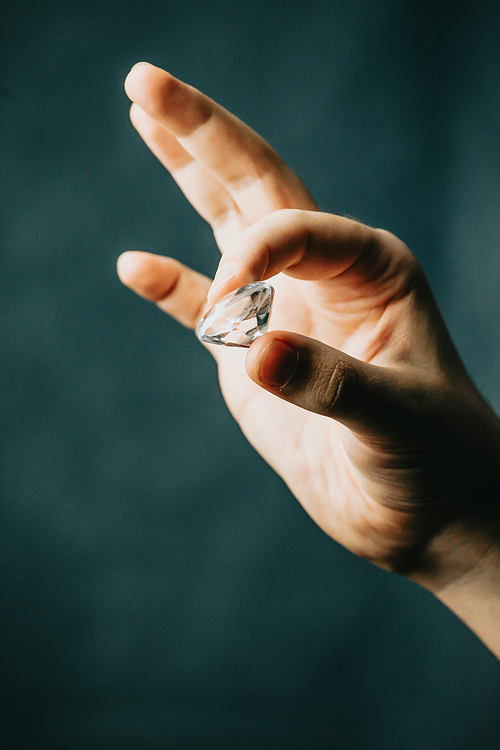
<point>461,567</point>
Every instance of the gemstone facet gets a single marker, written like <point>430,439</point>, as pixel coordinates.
<point>239,318</point>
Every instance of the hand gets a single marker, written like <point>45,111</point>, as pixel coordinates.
<point>393,452</point>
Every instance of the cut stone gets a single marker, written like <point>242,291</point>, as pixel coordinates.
<point>239,318</point>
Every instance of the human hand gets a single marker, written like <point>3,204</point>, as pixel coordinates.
<point>393,452</point>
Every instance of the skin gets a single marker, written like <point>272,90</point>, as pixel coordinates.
<point>357,396</point>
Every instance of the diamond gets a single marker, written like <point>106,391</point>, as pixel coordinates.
<point>239,318</point>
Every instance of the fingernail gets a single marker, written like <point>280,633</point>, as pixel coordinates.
<point>277,363</point>
<point>142,62</point>
<point>223,275</point>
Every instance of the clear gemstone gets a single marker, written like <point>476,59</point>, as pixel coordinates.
<point>239,318</point>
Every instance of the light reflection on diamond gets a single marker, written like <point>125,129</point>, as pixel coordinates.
<point>239,318</point>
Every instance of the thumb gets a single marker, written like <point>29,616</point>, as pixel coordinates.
<point>371,400</point>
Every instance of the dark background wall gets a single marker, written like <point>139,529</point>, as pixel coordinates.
<point>159,586</point>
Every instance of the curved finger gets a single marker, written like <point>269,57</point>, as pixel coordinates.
<point>303,244</point>
<point>175,288</point>
<point>255,176</point>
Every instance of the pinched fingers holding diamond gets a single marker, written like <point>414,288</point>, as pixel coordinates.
<point>239,318</point>
<point>303,244</point>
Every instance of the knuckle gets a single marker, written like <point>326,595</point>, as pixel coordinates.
<point>336,388</point>
<point>289,215</point>
<point>372,243</point>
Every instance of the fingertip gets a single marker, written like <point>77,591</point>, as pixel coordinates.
<point>131,79</point>
<point>143,123</point>
<point>151,276</point>
<point>134,114</point>
<point>222,283</point>
<point>271,361</point>
<point>138,65</point>
<point>141,78</point>
<point>128,266</point>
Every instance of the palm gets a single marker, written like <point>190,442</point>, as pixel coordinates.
<point>310,452</point>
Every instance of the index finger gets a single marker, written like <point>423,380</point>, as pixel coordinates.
<point>255,176</point>
<point>365,264</point>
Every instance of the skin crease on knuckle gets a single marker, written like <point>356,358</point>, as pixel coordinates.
<point>330,390</point>
<point>340,387</point>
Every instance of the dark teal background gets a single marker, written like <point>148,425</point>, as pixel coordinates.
<point>159,585</point>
